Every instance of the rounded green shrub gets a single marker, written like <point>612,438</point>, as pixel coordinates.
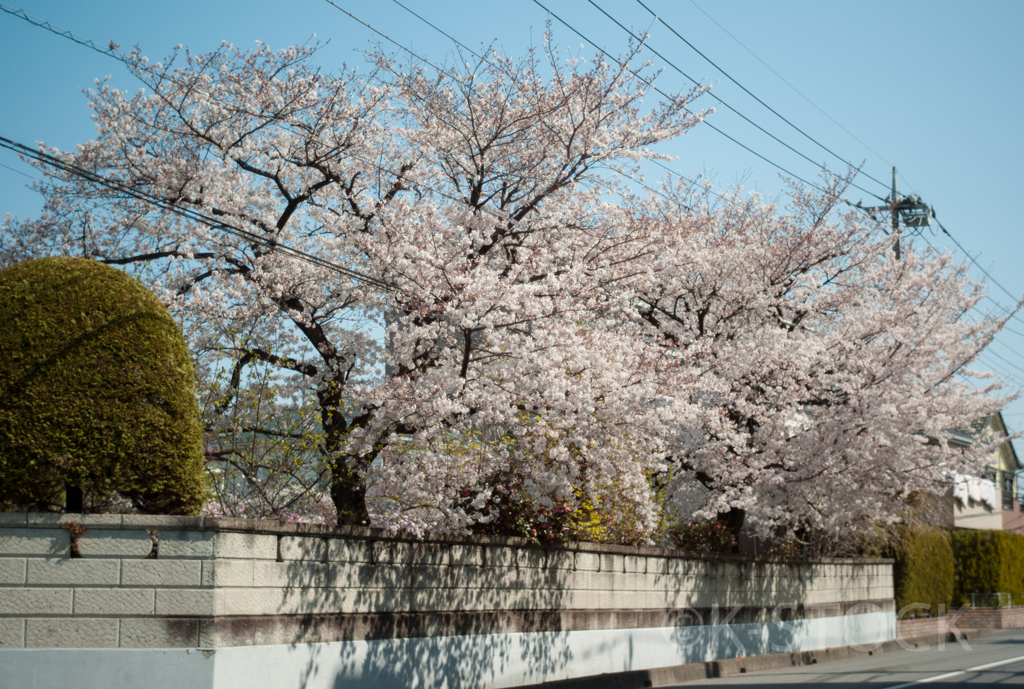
<point>96,392</point>
<point>923,571</point>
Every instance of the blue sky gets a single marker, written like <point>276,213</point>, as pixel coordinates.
<point>933,87</point>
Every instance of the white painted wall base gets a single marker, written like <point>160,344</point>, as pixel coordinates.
<point>111,668</point>
<point>497,660</point>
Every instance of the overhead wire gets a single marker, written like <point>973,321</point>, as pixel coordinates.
<point>978,265</point>
<point>1010,351</point>
<point>775,112</point>
<point>1010,313</point>
<point>1005,361</point>
<point>111,51</point>
<point>187,213</point>
<point>670,63</point>
<point>20,172</point>
<point>665,95</point>
<point>1005,328</point>
<point>1000,370</point>
<point>53,28</point>
<point>799,92</point>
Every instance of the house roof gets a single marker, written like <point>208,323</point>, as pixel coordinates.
<point>979,425</point>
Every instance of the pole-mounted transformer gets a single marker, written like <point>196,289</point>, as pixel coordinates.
<point>907,211</point>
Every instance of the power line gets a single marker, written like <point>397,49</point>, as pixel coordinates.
<point>188,214</point>
<point>978,265</point>
<point>665,95</point>
<point>741,115</point>
<point>1005,361</point>
<point>53,28</point>
<point>1010,350</point>
<point>798,92</point>
<point>20,172</point>
<point>999,370</point>
<point>1005,327</point>
<point>745,90</point>
<point>1010,313</point>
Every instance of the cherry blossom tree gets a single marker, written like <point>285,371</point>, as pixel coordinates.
<point>824,373</point>
<point>487,295</point>
<point>473,198</point>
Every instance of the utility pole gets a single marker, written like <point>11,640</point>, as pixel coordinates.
<point>910,209</point>
<point>895,217</point>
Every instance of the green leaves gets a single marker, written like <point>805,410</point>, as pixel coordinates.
<point>103,399</point>
<point>924,568</point>
<point>988,562</point>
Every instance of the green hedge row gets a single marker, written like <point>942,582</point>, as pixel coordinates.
<point>988,561</point>
<point>923,572</point>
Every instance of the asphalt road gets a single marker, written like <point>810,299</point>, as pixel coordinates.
<point>996,661</point>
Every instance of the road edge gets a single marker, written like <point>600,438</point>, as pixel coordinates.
<point>691,672</point>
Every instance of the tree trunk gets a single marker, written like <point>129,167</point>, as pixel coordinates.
<point>347,490</point>
<point>733,521</point>
<point>348,495</point>
<point>74,500</point>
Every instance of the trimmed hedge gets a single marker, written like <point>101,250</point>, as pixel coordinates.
<point>96,392</point>
<point>988,562</point>
<point>924,570</point>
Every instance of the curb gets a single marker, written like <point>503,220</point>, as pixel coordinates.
<point>676,674</point>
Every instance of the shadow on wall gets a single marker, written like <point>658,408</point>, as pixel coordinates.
<point>427,614</point>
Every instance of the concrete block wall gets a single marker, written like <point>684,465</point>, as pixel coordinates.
<point>193,582</point>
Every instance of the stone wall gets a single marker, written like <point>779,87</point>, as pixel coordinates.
<point>211,585</point>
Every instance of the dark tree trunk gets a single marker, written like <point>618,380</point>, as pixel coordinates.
<point>347,490</point>
<point>348,495</point>
<point>733,521</point>
<point>74,500</point>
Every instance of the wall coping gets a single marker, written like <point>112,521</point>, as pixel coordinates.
<point>37,520</point>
